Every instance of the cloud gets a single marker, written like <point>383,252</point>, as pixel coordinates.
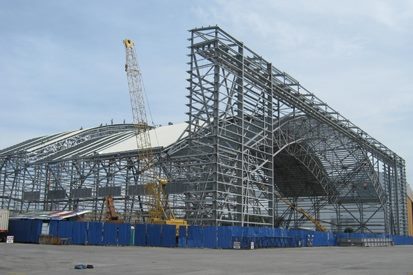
<point>61,63</point>
<point>314,25</point>
<point>354,55</point>
<point>282,27</point>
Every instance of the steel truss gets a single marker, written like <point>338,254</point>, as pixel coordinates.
<point>248,120</point>
<point>256,139</point>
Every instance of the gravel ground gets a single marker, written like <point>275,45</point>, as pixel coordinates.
<point>21,259</point>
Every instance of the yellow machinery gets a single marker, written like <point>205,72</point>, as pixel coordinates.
<point>159,212</point>
<point>317,224</point>
<point>111,215</point>
<point>158,209</point>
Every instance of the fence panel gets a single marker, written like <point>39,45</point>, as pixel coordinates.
<point>18,229</point>
<point>65,230</point>
<point>182,236</point>
<point>79,233</point>
<point>168,235</point>
<point>402,240</point>
<point>224,235</point>
<point>140,234</point>
<point>210,237</point>
<point>14,230</point>
<point>110,234</point>
<point>153,233</point>
<point>54,228</point>
<point>320,239</point>
<point>94,233</point>
<point>124,234</point>
<point>35,230</point>
<point>195,236</point>
<point>25,231</point>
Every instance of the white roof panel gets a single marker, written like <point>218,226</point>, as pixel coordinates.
<point>160,137</point>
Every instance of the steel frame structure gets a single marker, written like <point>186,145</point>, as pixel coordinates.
<point>258,145</point>
<point>246,117</point>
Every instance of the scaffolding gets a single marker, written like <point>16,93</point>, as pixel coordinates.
<point>258,150</point>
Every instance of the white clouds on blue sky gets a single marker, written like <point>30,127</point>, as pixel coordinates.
<point>61,62</point>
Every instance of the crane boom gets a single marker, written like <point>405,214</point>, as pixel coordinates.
<point>155,189</point>
<point>143,139</point>
<point>136,92</point>
<point>308,216</point>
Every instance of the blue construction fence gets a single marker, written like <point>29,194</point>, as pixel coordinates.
<point>25,231</point>
<point>261,237</point>
<point>91,233</point>
<point>82,233</point>
<point>99,233</point>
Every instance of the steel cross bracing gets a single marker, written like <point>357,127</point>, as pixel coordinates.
<point>230,129</point>
<point>40,148</point>
<point>343,167</point>
<point>236,99</point>
<point>57,184</point>
<point>74,178</point>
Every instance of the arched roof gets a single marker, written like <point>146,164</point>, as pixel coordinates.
<point>102,140</point>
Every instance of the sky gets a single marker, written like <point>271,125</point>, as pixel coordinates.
<point>62,62</point>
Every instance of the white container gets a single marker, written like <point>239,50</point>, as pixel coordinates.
<point>4,220</point>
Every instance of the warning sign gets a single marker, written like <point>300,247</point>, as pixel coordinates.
<point>10,239</point>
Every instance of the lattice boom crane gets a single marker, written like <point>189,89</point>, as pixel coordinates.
<point>137,100</point>
<point>155,189</point>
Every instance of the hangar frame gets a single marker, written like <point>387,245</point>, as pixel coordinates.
<point>256,147</point>
<point>247,119</point>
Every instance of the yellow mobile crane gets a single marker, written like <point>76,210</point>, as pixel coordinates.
<point>317,223</point>
<point>155,189</point>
